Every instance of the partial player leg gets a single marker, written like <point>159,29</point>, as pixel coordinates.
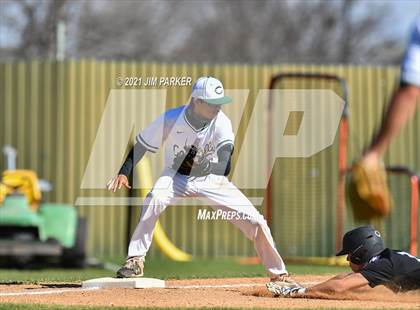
<point>227,197</point>
<point>164,190</point>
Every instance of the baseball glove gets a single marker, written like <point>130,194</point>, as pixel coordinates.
<point>202,168</point>
<point>368,191</point>
<point>285,290</point>
<point>184,165</point>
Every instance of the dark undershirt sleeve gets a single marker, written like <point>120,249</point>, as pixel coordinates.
<point>133,157</point>
<point>222,167</point>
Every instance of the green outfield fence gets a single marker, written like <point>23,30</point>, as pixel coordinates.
<point>50,112</point>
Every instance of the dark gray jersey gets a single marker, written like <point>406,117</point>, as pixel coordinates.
<point>397,270</point>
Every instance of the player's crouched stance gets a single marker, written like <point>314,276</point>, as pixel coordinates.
<point>198,140</point>
<point>372,265</point>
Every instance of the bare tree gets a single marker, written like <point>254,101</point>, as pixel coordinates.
<point>143,30</point>
<point>35,23</point>
<point>236,31</point>
<point>247,31</point>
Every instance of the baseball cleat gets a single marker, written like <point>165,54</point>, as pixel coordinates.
<point>132,268</point>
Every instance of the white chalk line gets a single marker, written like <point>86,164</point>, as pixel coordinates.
<point>61,291</point>
<point>49,292</point>
<point>215,286</point>
<point>229,285</point>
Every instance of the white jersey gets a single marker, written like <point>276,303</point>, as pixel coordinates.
<point>410,68</point>
<point>173,129</point>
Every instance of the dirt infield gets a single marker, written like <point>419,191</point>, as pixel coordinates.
<point>238,292</point>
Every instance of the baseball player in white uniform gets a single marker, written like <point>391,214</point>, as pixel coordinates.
<point>198,141</point>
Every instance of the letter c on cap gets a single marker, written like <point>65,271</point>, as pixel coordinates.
<point>218,90</point>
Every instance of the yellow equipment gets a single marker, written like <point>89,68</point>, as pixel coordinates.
<point>21,181</point>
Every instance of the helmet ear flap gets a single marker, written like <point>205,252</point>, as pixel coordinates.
<point>371,246</point>
<point>358,258</point>
<point>356,255</point>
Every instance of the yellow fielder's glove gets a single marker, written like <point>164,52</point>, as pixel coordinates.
<point>368,191</point>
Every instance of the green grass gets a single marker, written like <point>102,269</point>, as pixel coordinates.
<point>51,275</point>
<point>163,269</point>
<point>223,269</point>
<point>227,268</point>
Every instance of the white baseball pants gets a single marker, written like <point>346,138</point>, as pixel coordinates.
<point>224,195</point>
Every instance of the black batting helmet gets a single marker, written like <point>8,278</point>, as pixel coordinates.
<point>362,243</point>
